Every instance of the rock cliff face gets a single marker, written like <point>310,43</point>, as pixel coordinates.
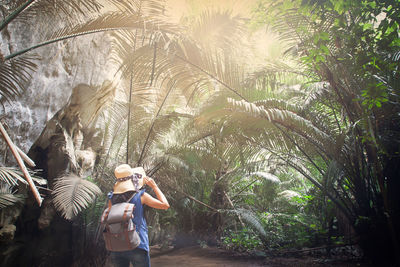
<point>68,73</point>
<point>61,67</point>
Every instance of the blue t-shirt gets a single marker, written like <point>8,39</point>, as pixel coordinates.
<point>140,221</point>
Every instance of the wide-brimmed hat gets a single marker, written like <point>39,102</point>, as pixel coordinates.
<point>128,179</point>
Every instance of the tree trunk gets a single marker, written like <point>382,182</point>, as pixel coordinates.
<point>218,201</point>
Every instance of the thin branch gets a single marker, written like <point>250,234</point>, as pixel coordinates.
<point>152,125</point>
<point>25,157</point>
<point>301,150</point>
<point>129,119</point>
<point>21,165</point>
<point>194,199</point>
<point>233,207</point>
<point>154,64</point>
<point>244,188</point>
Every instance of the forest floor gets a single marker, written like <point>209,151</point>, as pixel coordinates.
<point>196,256</point>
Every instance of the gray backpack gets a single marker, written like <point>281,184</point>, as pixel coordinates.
<point>119,230</point>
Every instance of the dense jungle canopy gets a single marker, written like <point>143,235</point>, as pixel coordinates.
<point>270,125</point>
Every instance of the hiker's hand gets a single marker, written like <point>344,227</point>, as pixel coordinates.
<point>150,182</point>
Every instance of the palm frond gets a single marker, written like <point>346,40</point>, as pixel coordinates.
<point>12,176</point>
<point>157,132</point>
<point>15,12</point>
<point>316,92</point>
<point>72,194</point>
<point>107,22</point>
<point>218,29</point>
<point>288,194</point>
<point>89,101</point>
<point>278,104</point>
<point>141,7</point>
<point>14,76</point>
<point>180,59</point>
<point>290,120</point>
<point>252,220</point>
<point>117,20</point>
<point>7,198</point>
<point>267,176</point>
<point>54,8</point>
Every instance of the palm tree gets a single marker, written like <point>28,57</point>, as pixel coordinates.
<point>337,120</point>
<point>163,71</point>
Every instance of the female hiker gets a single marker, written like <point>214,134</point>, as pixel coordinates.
<point>130,182</point>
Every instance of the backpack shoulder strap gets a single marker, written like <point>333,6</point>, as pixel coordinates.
<point>129,200</point>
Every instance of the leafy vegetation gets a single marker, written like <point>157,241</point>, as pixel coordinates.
<point>302,151</point>
<point>340,43</point>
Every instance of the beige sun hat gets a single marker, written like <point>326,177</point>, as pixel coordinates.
<point>123,174</point>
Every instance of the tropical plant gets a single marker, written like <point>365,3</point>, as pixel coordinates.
<point>340,129</point>
<point>7,198</point>
<point>72,194</point>
<point>165,70</point>
<point>10,179</point>
<point>78,18</point>
<point>227,144</point>
<point>244,240</point>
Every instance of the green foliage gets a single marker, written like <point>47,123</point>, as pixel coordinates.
<point>350,46</point>
<point>243,240</point>
<point>293,223</point>
<point>331,119</point>
<point>290,223</point>
<point>291,230</point>
<point>374,95</point>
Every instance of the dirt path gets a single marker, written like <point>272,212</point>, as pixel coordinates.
<point>213,257</point>
<point>201,257</point>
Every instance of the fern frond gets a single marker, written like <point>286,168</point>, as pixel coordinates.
<point>267,176</point>
<point>288,194</point>
<point>252,220</point>
<point>396,56</point>
<point>72,194</point>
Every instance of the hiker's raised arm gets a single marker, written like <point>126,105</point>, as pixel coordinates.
<point>161,202</point>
